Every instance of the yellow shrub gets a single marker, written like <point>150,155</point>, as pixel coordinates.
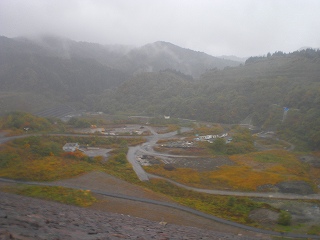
<point>243,177</point>
<point>46,169</point>
<point>182,175</point>
<point>251,171</point>
<point>278,169</point>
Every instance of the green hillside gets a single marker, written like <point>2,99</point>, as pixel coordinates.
<point>163,79</point>
<point>258,91</point>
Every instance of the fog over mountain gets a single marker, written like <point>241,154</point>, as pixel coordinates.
<point>234,58</point>
<point>161,78</point>
<point>51,65</point>
<point>163,55</point>
<point>242,28</point>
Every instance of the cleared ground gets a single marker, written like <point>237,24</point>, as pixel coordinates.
<point>104,182</point>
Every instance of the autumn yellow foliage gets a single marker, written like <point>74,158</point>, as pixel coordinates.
<point>83,198</point>
<point>250,171</point>
<point>244,177</point>
<point>46,169</point>
<point>183,175</point>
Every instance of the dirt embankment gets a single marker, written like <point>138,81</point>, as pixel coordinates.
<point>27,218</point>
<point>109,218</point>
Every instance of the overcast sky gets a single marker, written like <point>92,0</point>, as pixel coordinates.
<point>217,27</point>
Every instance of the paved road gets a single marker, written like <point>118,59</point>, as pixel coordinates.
<point>131,156</point>
<point>6,139</point>
<point>147,148</point>
<point>172,205</point>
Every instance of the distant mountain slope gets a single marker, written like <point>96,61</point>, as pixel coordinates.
<point>147,93</point>
<point>265,80</point>
<point>50,69</point>
<point>260,89</point>
<point>60,69</point>
<point>151,57</point>
<point>107,55</point>
<point>163,55</point>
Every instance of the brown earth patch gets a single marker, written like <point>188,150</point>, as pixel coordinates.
<point>104,182</point>
<point>108,183</point>
<point>265,217</point>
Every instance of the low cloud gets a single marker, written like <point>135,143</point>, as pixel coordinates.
<point>232,27</point>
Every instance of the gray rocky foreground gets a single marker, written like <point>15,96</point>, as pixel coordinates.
<point>29,218</point>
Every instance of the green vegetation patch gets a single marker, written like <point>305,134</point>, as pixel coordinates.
<point>314,230</point>
<point>250,171</point>
<point>83,198</point>
<point>231,208</point>
<point>117,165</point>
<point>269,157</point>
<point>20,122</point>
<point>41,158</point>
<point>242,142</point>
<point>46,169</point>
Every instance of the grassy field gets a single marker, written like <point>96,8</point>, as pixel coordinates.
<point>82,198</point>
<point>42,159</point>
<point>249,172</point>
<point>231,208</point>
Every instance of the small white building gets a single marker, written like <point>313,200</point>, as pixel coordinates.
<point>208,137</point>
<point>70,147</point>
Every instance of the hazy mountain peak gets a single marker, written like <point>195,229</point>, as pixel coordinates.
<point>163,55</point>
<point>163,43</point>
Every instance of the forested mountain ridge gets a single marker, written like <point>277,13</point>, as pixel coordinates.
<point>145,93</point>
<point>52,70</point>
<point>48,70</point>
<point>259,90</point>
<point>260,83</point>
<point>159,79</point>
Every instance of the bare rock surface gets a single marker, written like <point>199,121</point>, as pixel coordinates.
<point>296,187</point>
<point>28,218</point>
<point>311,160</point>
<point>264,216</point>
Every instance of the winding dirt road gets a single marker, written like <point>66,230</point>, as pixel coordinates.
<point>147,148</point>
